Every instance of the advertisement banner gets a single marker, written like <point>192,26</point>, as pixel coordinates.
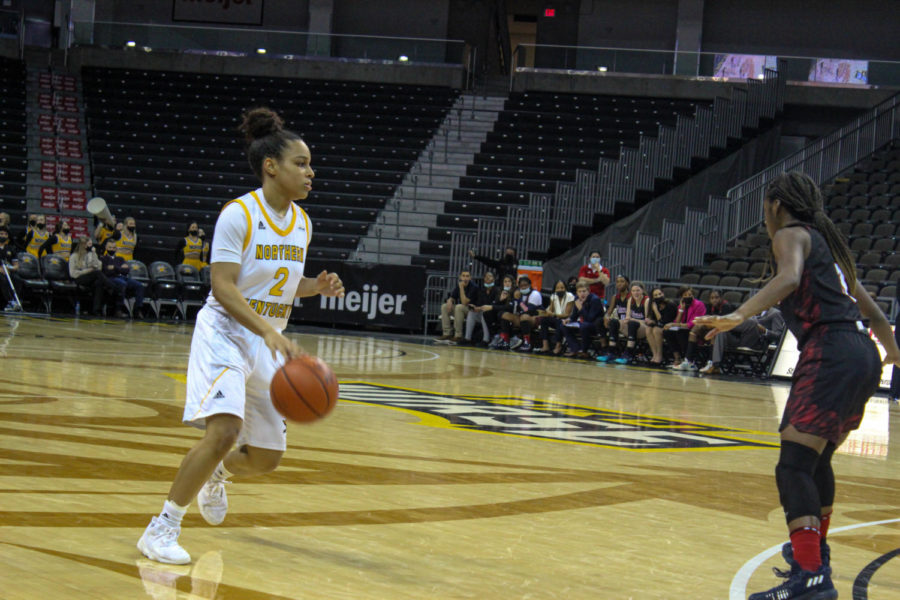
<point>381,295</point>
<point>789,355</point>
<point>232,12</point>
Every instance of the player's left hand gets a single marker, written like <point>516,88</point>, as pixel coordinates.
<point>719,323</point>
<point>329,284</point>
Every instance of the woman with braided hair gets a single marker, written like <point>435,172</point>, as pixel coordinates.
<point>815,282</point>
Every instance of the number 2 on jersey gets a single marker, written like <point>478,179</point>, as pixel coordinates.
<point>281,275</point>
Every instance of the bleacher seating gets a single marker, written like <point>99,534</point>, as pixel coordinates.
<point>165,149</point>
<point>13,151</point>
<point>865,206</point>
<point>539,139</point>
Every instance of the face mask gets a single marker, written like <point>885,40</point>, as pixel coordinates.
<point>506,288</point>
<point>66,231</point>
<point>88,248</point>
<point>524,291</point>
<point>193,232</point>
<point>489,285</point>
<point>32,222</point>
<point>595,260</point>
<point>660,301</point>
<point>561,295</point>
<point>687,301</point>
<point>40,225</point>
<point>131,228</point>
<point>3,241</point>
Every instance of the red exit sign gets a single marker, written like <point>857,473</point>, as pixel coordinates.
<point>549,12</point>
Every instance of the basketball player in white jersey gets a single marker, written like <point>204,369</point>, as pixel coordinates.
<point>259,249</point>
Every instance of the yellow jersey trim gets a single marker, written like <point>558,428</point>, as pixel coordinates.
<point>281,232</point>
<point>308,228</point>
<point>249,220</point>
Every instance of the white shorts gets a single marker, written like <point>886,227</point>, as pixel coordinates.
<point>229,371</point>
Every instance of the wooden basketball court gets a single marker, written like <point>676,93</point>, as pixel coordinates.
<point>443,473</point>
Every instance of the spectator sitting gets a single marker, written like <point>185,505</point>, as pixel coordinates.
<point>58,243</point>
<point>611,322</point>
<point>663,312</point>
<point>676,333</point>
<point>523,314</point>
<point>116,271</point>
<point>507,265</point>
<point>193,248</point>
<point>36,235</point>
<point>4,220</point>
<point>480,309</point>
<point>570,285</point>
<point>717,306</point>
<point>755,333</point>
<point>504,303</point>
<point>586,310</point>
<point>639,318</point>
<point>561,304</point>
<point>595,275</point>
<point>456,306</point>
<point>87,271</point>
<point>9,264</point>
<point>127,243</point>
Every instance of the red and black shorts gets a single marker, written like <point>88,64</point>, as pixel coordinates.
<point>838,371</point>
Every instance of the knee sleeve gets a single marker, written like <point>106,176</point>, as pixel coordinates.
<point>794,477</point>
<point>824,476</point>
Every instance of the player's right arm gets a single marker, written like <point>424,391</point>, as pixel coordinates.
<point>228,247</point>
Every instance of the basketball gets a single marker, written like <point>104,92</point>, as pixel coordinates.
<point>304,389</point>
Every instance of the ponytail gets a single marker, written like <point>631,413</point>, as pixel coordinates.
<point>838,246</point>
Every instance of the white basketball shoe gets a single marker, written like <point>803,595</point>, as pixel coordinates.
<point>160,543</point>
<point>213,501</point>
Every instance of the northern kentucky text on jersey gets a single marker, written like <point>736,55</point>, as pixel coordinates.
<point>279,252</point>
<point>269,309</point>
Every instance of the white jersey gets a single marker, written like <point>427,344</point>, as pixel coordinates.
<point>271,251</point>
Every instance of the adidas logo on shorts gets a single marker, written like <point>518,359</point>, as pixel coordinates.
<point>260,225</point>
<point>219,395</point>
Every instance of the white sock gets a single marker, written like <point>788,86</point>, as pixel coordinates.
<point>172,514</point>
<point>221,473</point>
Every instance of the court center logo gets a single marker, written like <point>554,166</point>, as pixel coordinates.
<point>539,419</point>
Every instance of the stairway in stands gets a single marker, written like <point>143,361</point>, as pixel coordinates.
<point>401,233</point>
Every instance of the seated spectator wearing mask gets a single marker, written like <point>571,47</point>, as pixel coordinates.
<point>716,306</point>
<point>638,319</point>
<point>9,263</point>
<point>755,333</point>
<point>676,333</point>
<point>190,249</point>
<point>504,303</point>
<point>595,275</point>
<point>662,312</point>
<point>527,303</point>
<point>58,243</point>
<point>456,306</point>
<point>507,265</point>
<point>87,271</point>
<point>36,235</point>
<point>480,310</point>
<point>116,271</point>
<point>561,305</point>
<point>127,242</point>
<point>585,312</point>
<point>611,323</point>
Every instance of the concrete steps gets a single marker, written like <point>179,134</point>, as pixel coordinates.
<point>420,198</point>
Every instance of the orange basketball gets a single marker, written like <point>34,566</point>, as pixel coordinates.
<point>304,389</point>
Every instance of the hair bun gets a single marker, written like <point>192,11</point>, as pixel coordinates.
<point>260,122</point>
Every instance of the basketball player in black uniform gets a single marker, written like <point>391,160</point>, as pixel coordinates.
<point>838,370</point>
